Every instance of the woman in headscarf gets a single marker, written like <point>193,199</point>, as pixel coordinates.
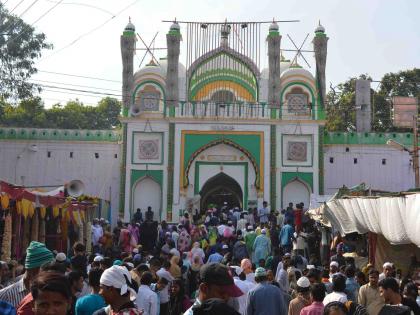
<point>197,251</point>
<point>175,270</point>
<point>193,275</point>
<point>125,240</point>
<point>179,302</point>
<point>184,240</point>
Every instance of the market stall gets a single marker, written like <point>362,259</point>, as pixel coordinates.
<point>50,217</point>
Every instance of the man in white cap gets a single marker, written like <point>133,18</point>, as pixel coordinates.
<point>261,247</point>
<point>265,298</point>
<point>387,271</point>
<point>116,287</point>
<point>302,299</point>
<point>333,269</point>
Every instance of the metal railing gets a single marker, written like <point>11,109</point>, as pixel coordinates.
<point>259,111</point>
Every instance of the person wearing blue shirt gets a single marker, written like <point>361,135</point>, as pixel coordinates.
<point>89,304</point>
<point>286,237</point>
<point>216,257</point>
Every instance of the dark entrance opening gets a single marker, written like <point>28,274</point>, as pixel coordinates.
<point>219,189</point>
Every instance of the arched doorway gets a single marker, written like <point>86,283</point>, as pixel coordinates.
<point>147,192</point>
<point>219,189</point>
<point>296,191</point>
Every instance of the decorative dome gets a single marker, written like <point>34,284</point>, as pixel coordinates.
<point>274,27</point>
<point>297,71</point>
<point>320,28</point>
<point>130,26</point>
<point>175,27</point>
<point>159,69</point>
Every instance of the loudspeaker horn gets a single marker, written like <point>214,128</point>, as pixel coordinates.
<point>75,188</point>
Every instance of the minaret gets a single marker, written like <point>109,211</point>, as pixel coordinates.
<point>173,39</point>
<point>128,46</point>
<point>274,39</point>
<point>320,42</point>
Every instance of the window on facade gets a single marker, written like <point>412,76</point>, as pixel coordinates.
<point>71,155</point>
<point>223,97</point>
<point>96,155</point>
<point>347,149</point>
<point>116,156</point>
<point>383,161</point>
<point>149,99</point>
<point>297,102</point>
<point>355,161</point>
<point>49,154</point>
<point>331,160</point>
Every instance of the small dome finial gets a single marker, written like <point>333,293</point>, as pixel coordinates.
<point>130,26</point>
<point>274,26</point>
<point>320,28</point>
<point>175,26</point>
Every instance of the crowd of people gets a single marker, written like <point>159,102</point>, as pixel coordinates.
<point>222,261</point>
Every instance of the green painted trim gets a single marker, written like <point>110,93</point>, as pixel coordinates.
<point>273,33</point>
<point>321,160</point>
<point>174,32</point>
<point>123,169</point>
<point>129,33</point>
<point>215,56</point>
<point>244,164</point>
<point>306,177</point>
<point>199,86</point>
<point>312,153</point>
<point>367,138</point>
<point>249,144</point>
<point>273,164</point>
<point>162,148</point>
<point>320,34</point>
<point>10,133</point>
<point>138,175</point>
<point>124,111</point>
<point>287,177</point>
<point>314,102</point>
<point>218,72</point>
<point>149,82</point>
<point>170,187</point>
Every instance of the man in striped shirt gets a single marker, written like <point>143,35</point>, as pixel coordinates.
<point>36,256</point>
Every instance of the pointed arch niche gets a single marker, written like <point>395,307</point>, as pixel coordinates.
<point>296,190</point>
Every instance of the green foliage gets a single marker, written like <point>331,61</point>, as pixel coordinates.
<point>73,115</point>
<point>19,47</point>
<point>341,113</point>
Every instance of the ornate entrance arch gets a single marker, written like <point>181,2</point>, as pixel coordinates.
<point>219,189</point>
<point>228,142</point>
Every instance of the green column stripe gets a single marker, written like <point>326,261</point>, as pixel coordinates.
<point>123,169</point>
<point>273,163</point>
<point>170,186</point>
<point>321,159</point>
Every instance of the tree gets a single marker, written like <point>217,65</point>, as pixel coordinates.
<point>341,113</point>
<point>20,45</point>
<point>31,112</point>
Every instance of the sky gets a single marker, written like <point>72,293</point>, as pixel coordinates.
<point>373,37</point>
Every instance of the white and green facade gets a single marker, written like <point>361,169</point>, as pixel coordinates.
<point>197,136</point>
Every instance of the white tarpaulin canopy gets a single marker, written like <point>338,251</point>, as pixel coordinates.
<point>396,218</point>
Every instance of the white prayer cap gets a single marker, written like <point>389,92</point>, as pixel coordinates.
<point>98,258</point>
<point>334,263</point>
<point>61,257</point>
<point>117,277</point>
<point>388,265</point>
<point>303,282</point>
<point>263,231</point>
